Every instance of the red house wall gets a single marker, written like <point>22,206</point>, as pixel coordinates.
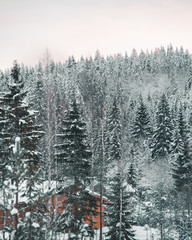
<point>6,215</point>
<point>60,208</point>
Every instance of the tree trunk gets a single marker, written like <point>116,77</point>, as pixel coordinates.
<point>56,168</point>
<point>30,222</point>
<point>121,179</point>
<point>121,207</point>
<point>16,205</point>
<point>18,162</point>
<point>92,150</point>
<point>4,211</point>
<point>161,218</point>
<point>188,201</point>
<point>101,174</point>
<point>49,135</point>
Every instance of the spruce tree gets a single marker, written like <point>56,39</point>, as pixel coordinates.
<point>162,137</point>
<point>141,127</point>
<point>8,105</point>
<point>119,230</point>
<point>132,176</point>
<point>182,167</point>
<point>74,158</point>
<point>120,227</point>
<point>181,172</point>
<point>188,83</point>
<point>9,130</point>
<point>114,132</point>
<point>26,165</point>
<point>32,177</point>
<point>73,152</point>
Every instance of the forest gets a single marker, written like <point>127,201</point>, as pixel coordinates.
<point>117,125</point>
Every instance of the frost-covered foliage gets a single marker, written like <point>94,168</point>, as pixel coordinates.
<point>148,89</point>
<point>162,137</point>
<point>141,127</point>
<point>20,147</point>
<point>120,227</point>
<point>73,159</point>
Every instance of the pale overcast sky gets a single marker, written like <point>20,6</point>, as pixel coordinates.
<point>80,27</point>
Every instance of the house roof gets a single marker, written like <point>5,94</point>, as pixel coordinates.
<point>51,187</point>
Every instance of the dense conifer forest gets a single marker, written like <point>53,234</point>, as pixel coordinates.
<point>120,126</point>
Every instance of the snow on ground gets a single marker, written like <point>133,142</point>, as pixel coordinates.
<point>141,233</point>
<point>6,235</point>
<point>145,233</point>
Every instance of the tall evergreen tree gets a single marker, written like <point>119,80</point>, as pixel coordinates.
<point>32,177</point>
<point>181,172</point>
<point>74,158</point>
<point>9,131</point>
<point>114,131</point>
<point>132,176</point>
<point>119,225</point>
<point>119,229</point>
<point>141,127</point>
<point>188,83</point>
<point>9,102</point>
<point>162,137</point>
<point>182,168</point>
<point>20,124</point>
<point>73,152</point>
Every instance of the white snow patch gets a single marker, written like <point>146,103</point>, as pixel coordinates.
<point>9,168</point>
<point>28,214</point>
<point>17,139</point>
<point>22,121</point>
<point>6,183</point>
<point>35,225</point>
<point>14,150</point>
<point>14,211</point>
<point>143,233</point>
<point>32,112</point>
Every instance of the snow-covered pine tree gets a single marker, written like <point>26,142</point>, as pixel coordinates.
<point>181,173</point>
<point>141,126</point>
<point>159,210</point>
<point>182,167</point>
<point>132,176</point>
<point>4,174</point>
<point>114,209</point>
<point>114,132</point>
<point>32,176</point>
<point>39,91</point>
<point>74,161</point>
<point>9,132</point>
<point>20,124</point>
<point>162,137</point>
<point>188,84</point>
<point>119,225</point>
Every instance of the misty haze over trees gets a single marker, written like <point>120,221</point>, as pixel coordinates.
<point>120,126</point>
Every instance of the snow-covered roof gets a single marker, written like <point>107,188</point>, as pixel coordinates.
<point>52,187</point>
